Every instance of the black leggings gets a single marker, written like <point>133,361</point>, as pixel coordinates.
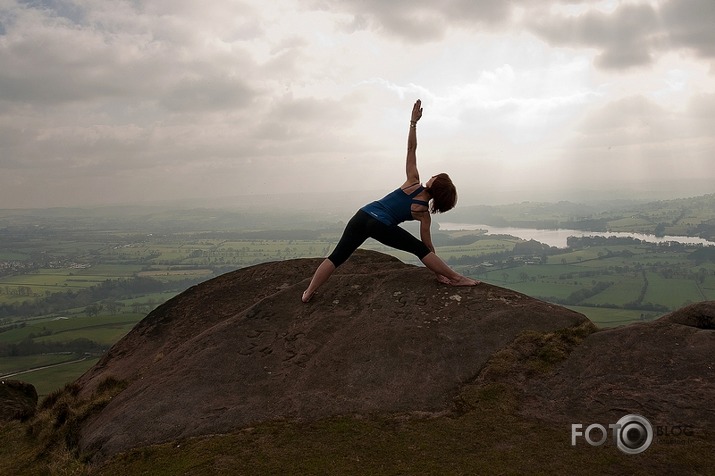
<point>363,226</point>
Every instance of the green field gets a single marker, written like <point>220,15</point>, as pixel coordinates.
<point>52,378</point>
<point>614,317</point>
<point>62,367</point>
<point>10,365</point>
<point>624,288</point>
<point>73,327</point>
<point>617,284</point>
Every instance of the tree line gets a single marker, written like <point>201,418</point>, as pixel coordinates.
<point>108,290</point>
<point>29,346</point>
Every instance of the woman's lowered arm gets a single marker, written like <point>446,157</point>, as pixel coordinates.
<point>425,232</point>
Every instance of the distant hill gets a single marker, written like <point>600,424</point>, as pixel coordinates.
<point>693,216</point>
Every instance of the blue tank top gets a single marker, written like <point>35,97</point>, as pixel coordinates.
<point>395,207</point>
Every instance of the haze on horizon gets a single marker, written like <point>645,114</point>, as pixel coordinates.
<point>144,101</point>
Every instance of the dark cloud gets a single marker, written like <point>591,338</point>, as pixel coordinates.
<point>207,94</point>
<point>421,20</point>
<point>629,36</point>
<point>625,37</point>
<point>46,61</point>
<point>49,61</point>
<point>57,8</point>
<point>691,24</point>
<point>633,35</point>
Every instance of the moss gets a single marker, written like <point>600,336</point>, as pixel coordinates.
<point>534,352</point>
<point>55,429</point>
<point>111,385</point>
<point>530,355</point>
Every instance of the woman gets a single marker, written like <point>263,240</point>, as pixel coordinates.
<point>380,220</point>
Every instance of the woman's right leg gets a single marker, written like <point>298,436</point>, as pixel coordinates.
<point>354,235</point>
<point>322,274</point>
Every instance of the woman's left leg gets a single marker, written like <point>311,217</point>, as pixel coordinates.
<point>440,268</point>
<point>401,239</point>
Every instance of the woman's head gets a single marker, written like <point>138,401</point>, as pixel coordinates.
<point>444,193</point>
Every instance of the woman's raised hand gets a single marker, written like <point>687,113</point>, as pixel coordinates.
<point>416,111</point>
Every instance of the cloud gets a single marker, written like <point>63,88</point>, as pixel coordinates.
<point>172,95</point>
<point>690,24</point>
<point>123,54</point>
<point>101,87</point>
<point>630,35</point>
<point>631,121</point>
<point>638,122</point>
<point>635,140</point>
<point>625,37</point>
<point>208,93</point>
<point>421,20</point>
<point>633,34</point>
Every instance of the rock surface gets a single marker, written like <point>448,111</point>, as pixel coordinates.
<point>663,370</point>
<point>381,336</point>
<point>18,400</point>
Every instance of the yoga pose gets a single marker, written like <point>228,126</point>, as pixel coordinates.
<point>380,220</point>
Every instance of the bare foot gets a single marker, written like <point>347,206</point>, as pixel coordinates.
<point>307,297</point>
<point>443,279</point>
<point>464,281</point>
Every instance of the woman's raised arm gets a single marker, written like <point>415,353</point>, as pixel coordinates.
<point>413,176</point>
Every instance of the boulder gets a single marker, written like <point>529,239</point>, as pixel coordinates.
<point>663,370</point>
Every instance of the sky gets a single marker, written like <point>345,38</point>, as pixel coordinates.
<point>134,101</point>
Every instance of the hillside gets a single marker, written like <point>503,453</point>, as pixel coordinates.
<point>386,371</point>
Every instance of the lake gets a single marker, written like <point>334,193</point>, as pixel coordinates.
<point>558,237</point>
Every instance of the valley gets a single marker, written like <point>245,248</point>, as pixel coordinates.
<point>73,282</point>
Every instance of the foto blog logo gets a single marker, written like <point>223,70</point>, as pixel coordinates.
<point>632,434</point>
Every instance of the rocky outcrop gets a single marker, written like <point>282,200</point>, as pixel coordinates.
<point>380,337</point>
<point>664,370</point>
<point>18,400</point>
